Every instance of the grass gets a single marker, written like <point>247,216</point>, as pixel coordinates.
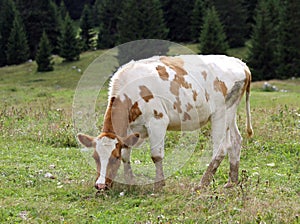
<point>37,139</point>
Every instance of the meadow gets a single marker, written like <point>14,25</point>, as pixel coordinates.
<point>45,178</point>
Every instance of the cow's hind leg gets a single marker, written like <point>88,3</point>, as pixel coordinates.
<point>157,131</point>
<point>234,154</point>
<point>221,143</point>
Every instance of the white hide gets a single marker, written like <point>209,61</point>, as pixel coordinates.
<point>104,148</point>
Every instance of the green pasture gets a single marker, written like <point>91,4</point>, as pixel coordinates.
<point>37,139</point>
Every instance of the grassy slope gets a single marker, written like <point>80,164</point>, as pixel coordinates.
<point>30,123</point>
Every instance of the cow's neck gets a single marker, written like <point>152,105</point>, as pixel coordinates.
<point>116,117</point>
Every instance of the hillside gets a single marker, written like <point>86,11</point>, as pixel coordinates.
<point>47,178</point>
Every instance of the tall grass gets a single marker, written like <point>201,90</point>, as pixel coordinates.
<point>43,125</point>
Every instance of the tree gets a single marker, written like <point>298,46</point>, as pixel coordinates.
<point>38,16</point>
<point>86,24</point>
<point>69,44</point>
<point>198,13</point>
<point>17,47</point>
<point>62,10</point>
<point>212,37</point>
<point>44,56</point>
<point>233,17</point>
<point>145,21</point>
<point>288,40</point>
<point>7,16</point>
<point>50,23</point>
<point>108,11</point>
<point>177,14</point>
<point>97,7</point>
<point>249,7</point>
<point>262,55</point>
<point>75,7</point>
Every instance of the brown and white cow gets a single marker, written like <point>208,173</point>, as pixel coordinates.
<point>151,96</point>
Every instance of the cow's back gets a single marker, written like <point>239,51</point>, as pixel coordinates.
<point>187,89</point>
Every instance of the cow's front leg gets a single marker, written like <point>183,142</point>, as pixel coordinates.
<point>128,174</point>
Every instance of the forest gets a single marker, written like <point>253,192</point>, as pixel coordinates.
<point>268,29</point>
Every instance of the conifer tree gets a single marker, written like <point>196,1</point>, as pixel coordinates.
<point>62,10</point>
<point>108,11</point>
<point>262,55</point>
<point>69,44</point>
<point>86,25</point>
<point>17,47</point>
<point>289,41</point>
<point>249,7</point>
<point>233,17</point>
<point>7,16</point>
<point>37,16</point>
<point>44,56</point>
<point>198,13</point>
<point>145,21</point>
<point>212,37</point>
<point>177,15</point>
<point>96,9</point>
<point>53,26</point>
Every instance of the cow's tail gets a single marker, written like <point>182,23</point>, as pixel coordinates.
<point>247,86</point>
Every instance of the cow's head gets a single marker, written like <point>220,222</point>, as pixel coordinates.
<point>107,155</point>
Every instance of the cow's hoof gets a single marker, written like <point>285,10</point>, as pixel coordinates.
<point>159,185</point>
<point>230,184</point>
<point>200,187</point>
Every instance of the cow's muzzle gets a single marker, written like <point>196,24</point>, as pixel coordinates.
<point>104,187</point>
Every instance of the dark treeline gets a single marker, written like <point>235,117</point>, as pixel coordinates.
<point>268,28</point>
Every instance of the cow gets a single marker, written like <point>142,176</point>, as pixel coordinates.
<point>151,96</point>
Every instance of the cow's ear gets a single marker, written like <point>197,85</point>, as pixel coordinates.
<point>86,140</point>
<point>131,140</point>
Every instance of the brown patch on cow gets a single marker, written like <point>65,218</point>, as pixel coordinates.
<point>118,115</point>
<point>162,72</point>
<point>117,151</point>
<point>186,116</point>
<point>220,86</point>
<point>174,88</point>
<point>107,124</point>
<point>158,115</point>
<point>247,81</point>
<point>206,96</point>
<point>178,82</point>
<point>176,64</point>
<point>189,107</point>
<point>146,94</point>
<point>177,105</point>
<point>134,112</point>
<point>195,94</point>
<point>204,74</point>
